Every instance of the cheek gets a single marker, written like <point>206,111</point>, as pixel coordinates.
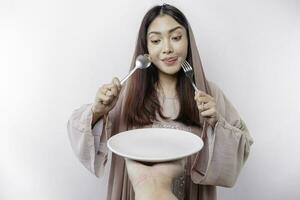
<point>154,53</point>
<point>153,49</point>
<point>182,48</point>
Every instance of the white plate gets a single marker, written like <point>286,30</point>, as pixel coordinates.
<point>155,144</point>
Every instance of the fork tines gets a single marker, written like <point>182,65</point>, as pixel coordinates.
<point>186,66</point>
<point>188,70</point>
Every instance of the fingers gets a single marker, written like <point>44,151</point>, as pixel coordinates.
<point>180,161</point>
<point>116,82</point>
<point>112,91</point>
<point>130,161</point>
<point>204,101</point>
<point>205,106</point>
<point>102,96</point>
<point>108,92</point>
<point>135,167</point>
<point>176,167</point>
<point>179,165</point>
<point>127,162</point>
<point>207,109</point>
<point>170,167</point>
<point>105,100</point>
<point>202,96</point>
<point>200,93</point>
<point>133,162</point>
<point>209,113</point>
<point>113,88</point>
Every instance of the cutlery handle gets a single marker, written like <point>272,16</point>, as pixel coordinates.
<point>194,86</point>
<point>202,119</point>
<point>196,90</point>
<point>128,75</point>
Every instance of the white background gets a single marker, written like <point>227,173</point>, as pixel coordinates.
<point>54,54</point>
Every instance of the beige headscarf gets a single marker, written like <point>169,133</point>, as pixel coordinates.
<point>202,85</point>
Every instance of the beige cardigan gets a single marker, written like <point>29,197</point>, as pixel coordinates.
<point>226,148</point>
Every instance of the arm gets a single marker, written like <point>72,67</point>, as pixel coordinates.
<point>89,132</point>
<point>88,144</point>
<point>96,118</point>
<point>226,148</point>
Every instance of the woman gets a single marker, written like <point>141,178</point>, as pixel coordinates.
<point>162,96</point>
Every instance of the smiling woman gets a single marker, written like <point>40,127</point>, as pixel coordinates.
<point>164,36</point>
<point>161,96</point>
<point>168,46</point>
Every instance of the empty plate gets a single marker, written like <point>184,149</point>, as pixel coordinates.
<point>155,144</point>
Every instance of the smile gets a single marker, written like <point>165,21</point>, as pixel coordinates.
<point>170,61</point>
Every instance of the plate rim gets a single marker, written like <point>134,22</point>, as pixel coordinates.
<point>138,158</point>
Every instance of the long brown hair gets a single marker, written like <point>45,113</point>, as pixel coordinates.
<point>141,103</point>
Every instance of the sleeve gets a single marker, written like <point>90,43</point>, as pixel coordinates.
<point>226,147</point>
<point>88,144</point>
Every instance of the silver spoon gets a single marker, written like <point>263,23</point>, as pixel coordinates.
<point>141,62</point>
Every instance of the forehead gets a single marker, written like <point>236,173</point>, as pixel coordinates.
<point>162,24</point>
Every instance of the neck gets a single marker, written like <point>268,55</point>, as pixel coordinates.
<point>167,84</point>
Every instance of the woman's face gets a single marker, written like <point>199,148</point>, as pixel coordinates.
<point>167,39</point>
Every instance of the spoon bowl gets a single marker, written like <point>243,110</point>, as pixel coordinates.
<point>141,62</point>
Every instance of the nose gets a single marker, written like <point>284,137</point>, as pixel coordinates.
<point>167,48</point>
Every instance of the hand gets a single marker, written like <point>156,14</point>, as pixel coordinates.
<point>106,97</point>
<point>160,175</point>
<point>207,107</point>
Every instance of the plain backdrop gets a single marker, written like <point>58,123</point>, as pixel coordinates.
<point>55,54</point>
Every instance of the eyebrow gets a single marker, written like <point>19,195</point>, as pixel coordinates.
<point>170,31</point>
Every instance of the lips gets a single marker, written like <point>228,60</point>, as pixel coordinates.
<point>169,59</point>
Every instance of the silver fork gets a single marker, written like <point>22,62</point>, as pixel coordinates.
<point>188,70</point>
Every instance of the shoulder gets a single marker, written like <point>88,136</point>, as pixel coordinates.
<point>214,88</point>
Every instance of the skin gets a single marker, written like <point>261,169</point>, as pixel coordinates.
<point>149,181</point>
<point>167,44</point>
<point>154,182</point>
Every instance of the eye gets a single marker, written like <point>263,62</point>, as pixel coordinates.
<point>155,41</point>
<point>177,38</point>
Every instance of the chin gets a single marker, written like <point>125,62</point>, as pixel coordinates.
<point>171,71</point>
